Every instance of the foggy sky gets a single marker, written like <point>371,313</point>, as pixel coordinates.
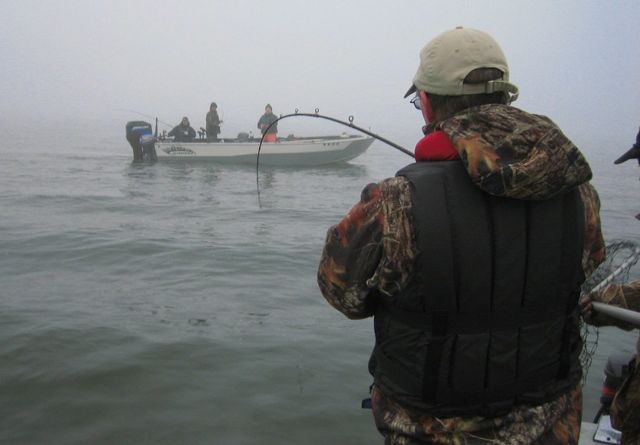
<point>576,61</point>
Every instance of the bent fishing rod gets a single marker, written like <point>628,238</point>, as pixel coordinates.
<point>349,124</point>
<point>616,312</point>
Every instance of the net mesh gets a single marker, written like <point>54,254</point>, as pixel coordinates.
<point>622,255</point>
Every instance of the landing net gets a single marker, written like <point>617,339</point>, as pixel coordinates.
<point>622,255</point>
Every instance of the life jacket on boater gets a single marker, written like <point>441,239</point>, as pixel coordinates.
<point>490,317</point>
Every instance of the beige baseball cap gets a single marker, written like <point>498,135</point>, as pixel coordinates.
<point>446,60</point>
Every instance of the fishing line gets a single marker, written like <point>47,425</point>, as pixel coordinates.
<point>349,124</point>
<point>145,115</point>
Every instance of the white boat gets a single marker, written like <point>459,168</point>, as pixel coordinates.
<point>290,151</point>
<point>300,152</point>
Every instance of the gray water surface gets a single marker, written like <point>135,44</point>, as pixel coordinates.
<point>170,303</point>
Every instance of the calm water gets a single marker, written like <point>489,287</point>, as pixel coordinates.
<point>165,304</point>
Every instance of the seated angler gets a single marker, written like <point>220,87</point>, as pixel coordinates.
<point>183,131</point>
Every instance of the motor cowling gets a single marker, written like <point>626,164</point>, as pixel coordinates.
<point>140,137</point>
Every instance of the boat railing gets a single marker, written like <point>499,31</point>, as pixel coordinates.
<point>618,313</point>
<point>289,138</point>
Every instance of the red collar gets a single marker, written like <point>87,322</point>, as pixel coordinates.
<point>435,146</point>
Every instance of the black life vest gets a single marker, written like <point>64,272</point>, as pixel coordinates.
<point>490,317</point>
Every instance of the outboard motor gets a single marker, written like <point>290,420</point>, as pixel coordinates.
<point>148,143</point>
<point>142,141</point>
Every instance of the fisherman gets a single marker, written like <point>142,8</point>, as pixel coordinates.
<point>470,261</point>
<point>213,123</point>
<point>625,409</point>
<point>183,131</point>
<point>263,124</point>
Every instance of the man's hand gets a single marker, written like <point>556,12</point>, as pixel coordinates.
<point>587,309</point>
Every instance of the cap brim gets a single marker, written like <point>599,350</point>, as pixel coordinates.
<point>411,90</point>
<point>632,153</point>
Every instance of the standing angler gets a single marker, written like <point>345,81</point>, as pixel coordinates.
<point>264,124</point>
<point>470,261</point>
<point>625,409</point>
<point>213,123</point>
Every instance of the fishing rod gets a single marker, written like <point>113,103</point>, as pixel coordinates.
<point>349,124</point>
<point>627,315</point>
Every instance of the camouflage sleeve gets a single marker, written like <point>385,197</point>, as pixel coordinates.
<point>626,296</point>
<point>398,244</point>
<point>351,254</point>
<point>594,248</point>
<point>371,252</point>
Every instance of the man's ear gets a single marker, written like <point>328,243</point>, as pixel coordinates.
<point>425,107</point>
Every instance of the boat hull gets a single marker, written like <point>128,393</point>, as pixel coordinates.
<point>300,152</point>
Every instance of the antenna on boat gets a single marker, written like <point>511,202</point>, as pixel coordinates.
<point>317,114</point>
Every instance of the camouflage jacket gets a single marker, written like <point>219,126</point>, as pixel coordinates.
<point>625,410</point>
<point>370,254</point>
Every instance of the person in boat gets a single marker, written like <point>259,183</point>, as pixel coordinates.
<point>183,131</point>
<point>213,123</point>
<point>625,409</point>
<point>470,262</point>
<point>263,123</point>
